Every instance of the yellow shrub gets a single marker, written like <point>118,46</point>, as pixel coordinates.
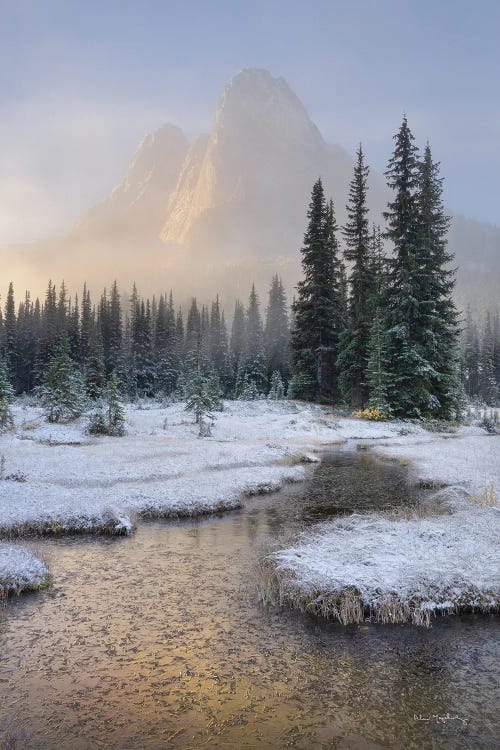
<point>488,497</point>
<point>373,414</point>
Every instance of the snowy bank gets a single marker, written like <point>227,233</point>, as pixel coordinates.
<point>73,483</point>
<point>57,479</point>
<point>398,569</point>
<point>20,570</point>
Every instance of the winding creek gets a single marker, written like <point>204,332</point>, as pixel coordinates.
<point>158,641</point>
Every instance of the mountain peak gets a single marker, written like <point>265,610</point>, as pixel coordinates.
<point>256,100</point>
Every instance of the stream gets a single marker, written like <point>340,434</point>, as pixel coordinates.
<point>158,641</point>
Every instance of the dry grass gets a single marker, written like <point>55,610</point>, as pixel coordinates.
<point>54,527</point>
<point>278,587</point>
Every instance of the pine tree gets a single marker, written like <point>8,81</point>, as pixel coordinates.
<point>316,311</point>
<point>237,345</point>
<point>253,360</point>
<point>496,350</point>
<point>219,348</point>
<point>277,387</point>
<point>353,356</point>
<point>378,376</point>
<point>87,325</point>
<point>410,371</point>
<point>276,332</point>
<point>115,412</point>
<point>439,335</point>
<point>201,401</point>
<point>10,335</point>
<point>6,399</point>
<point>62,390</point>
<point>114,361</point>
<point>49,328</point>
<point>95,374</point>
<point>470,356</point>
<point>487,384</point>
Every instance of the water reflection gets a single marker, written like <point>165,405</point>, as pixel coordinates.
<point>156,642</point>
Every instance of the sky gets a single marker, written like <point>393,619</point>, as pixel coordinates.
<point>82,82</point>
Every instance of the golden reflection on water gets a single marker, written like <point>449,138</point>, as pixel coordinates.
<point>156,641</point>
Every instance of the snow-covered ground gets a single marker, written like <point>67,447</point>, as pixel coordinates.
<point>405,569</point>
<point>77,483</point>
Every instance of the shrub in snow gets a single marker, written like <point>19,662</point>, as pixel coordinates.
<point>374,415</point>
<point>203,398</point>
<point>6,399</point>
<point>62,389</point>
<point>215,390</point>
<point>248,390</point>
<point>109,419</point>
<point>490,422</point>
<point>277,389</point>
<point>299,384</point>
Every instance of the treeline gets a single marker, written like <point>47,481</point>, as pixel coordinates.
<point>152,347</point>
<point>480,358</point>
<point>367,328</point>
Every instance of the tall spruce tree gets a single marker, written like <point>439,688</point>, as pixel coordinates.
<point>10,336</point>
<point>470,356</point>
<point>276,331</point>
<point>252,366</point>
<point>487,383</point>
<point>378,376</point>
<point>439,335</point>
<point>315,334</point>
<point>237,344</point>
<point>353,356</point>
<point>62,389</point>
<point>6,398</point>
<point>404,320</point>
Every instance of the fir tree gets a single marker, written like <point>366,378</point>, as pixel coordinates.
<point>277,387</point>
<point>10,335</point>
<point>470,356</point>
<point>253,360</point>
<point>114,353</point>
<point>378,375</point>
<point>62,390</point>
<point>115,412</point>
<point>316,311</point>
<point>6,399</point>
<point>410,371</point>
<point>439,334</point>
<point>237,345</point>
<point>201,401</point>
<point>95,375</point>
<point>353,357</point>
<point>487,383</point>
<point>276,332</point>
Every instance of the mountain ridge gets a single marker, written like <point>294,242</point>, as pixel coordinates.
<point>230,206</point>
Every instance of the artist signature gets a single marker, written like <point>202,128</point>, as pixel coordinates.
<point>440,719</point>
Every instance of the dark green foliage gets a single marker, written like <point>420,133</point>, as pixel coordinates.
<point>353,356</point>
<point>95,375</point>
<point>109,417</point>
<point>488,387</point>
<point>6,398</point>
<point>277,387</point>
<point>252,367</point>
<point>276,332</point>
<point>315,333</point>
<point>62,389</point>
<point>439,318</point>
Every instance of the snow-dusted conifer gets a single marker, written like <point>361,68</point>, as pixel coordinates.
<point>62,388</point>
<point>277,389</point>
<point>6,399</point>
